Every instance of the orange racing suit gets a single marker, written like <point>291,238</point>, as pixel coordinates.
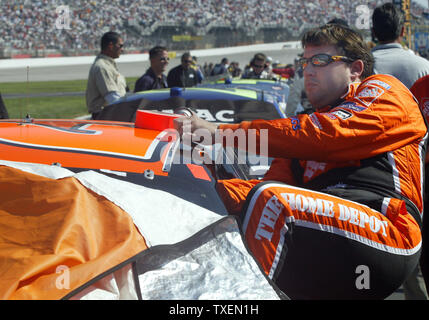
<point>338,214</point>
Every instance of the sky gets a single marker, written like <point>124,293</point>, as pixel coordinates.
<point>423,3</point>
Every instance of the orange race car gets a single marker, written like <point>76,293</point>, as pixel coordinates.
<point>114,210</point>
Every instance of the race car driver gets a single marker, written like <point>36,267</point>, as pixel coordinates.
<point>338,214</point>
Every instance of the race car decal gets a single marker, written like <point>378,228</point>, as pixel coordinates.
<point>115,140</point>
<point>215,110</point>
<point>106,147</point>
<point>221,115</point>
<point>198,172</point>
<point>86,159</point>
<point>148,154</point>
<point>81,128</point>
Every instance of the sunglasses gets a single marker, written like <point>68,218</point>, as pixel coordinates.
<point>187,61</point>
<point>258,66</point>
<point>321,60</point>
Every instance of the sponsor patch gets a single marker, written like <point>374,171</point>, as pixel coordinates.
<point>295,123</point>
<point>380,83</point>
<point>315,121</point>
<point>329,115</point>
<point>369,94</point>
<point>352,106</point>
<point>312,168</point>
<point>342,114</point>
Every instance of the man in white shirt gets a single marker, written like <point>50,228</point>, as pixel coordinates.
<point>389,55</point>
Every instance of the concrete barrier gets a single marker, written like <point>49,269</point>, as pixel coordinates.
<point>84,60</point>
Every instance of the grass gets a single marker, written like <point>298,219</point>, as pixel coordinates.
<point>43,86</point>
<point>61,107</point>
<point>46,107</point>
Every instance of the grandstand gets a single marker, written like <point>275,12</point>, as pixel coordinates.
<point>28,28</point>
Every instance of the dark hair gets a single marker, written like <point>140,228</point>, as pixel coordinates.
<point>348,42</point>
<point>387,22</point>
<point>109,37</point>
<point>186,55</point>
<point>338,21</point>
<point>259,57</point>
<point>156,51</point>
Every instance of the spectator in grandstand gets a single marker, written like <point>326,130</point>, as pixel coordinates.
<point>354,163</point>
<point>256,69</point>
<point>26,24</point>
<point>105,83</point>
<point>220,68</point>
<point>154,78</point>
<point>184,75</point>
<point>390,56</point>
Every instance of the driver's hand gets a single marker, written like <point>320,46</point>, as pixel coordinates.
<point>192,126</point>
